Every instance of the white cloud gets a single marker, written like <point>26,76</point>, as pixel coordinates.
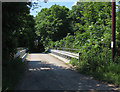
<point>75,3</point>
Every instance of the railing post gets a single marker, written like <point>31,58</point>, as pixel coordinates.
<point>79,57</point>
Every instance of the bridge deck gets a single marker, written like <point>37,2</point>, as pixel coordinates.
<point>45,72</point>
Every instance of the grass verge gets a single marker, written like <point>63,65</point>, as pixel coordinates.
<point>109,73</point>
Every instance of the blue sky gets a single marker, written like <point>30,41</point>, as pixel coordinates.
<point>49,4</point>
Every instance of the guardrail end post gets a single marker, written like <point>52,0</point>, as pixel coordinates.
<point>79,57</point>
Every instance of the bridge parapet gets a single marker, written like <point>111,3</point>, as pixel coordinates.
<point>65,54</point>
<point>21,54</point>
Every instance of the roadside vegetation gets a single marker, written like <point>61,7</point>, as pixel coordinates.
<point>17,31</point>
<point>86,27</point>
<point>11,72</point>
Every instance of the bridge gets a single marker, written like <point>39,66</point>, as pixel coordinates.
<point>52,71</point>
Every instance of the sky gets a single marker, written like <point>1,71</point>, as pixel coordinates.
<point>49,4</point>
<point>66,3</point>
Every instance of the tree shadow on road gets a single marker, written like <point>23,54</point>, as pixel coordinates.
<point>42,75</point>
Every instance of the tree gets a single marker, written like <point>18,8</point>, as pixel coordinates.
<point>17,30</point>
<point>16,22</point>
<point>52,24</point>
<point>118,30</point>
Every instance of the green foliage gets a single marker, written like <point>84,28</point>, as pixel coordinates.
<point>97,63</point>
<point>18,27</point>
<point>90,25</point>
<point>26,35</point>
<point>118,32</point>
<point>109,73</point>
<point>74,61</point>
<point>92,35</point>
<point>95,58</point>
<point>52,24</point>
<point>17,31</point>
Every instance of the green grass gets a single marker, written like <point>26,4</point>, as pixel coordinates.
<point>12,71</point>
<point>108,72</point>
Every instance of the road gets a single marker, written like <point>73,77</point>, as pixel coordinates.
<point>45,72</point>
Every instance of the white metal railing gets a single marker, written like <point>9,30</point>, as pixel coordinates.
<point>65,54</point>
<point>67,49</point>
<point>20,53</point>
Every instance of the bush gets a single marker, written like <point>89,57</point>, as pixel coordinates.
<point>94,57</point>
<point>96,62</point>
<point>111,73</point>
<point>117,59</point>
<point>74,61</point>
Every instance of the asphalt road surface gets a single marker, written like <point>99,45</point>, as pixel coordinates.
<point>45,72</point>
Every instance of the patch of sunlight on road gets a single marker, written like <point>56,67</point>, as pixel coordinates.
<point>34,57</point>
<point>35,69</point>
<point>33,60</point>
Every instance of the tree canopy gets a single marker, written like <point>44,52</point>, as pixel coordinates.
<point>18,27</point>
<point>53,23</point>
